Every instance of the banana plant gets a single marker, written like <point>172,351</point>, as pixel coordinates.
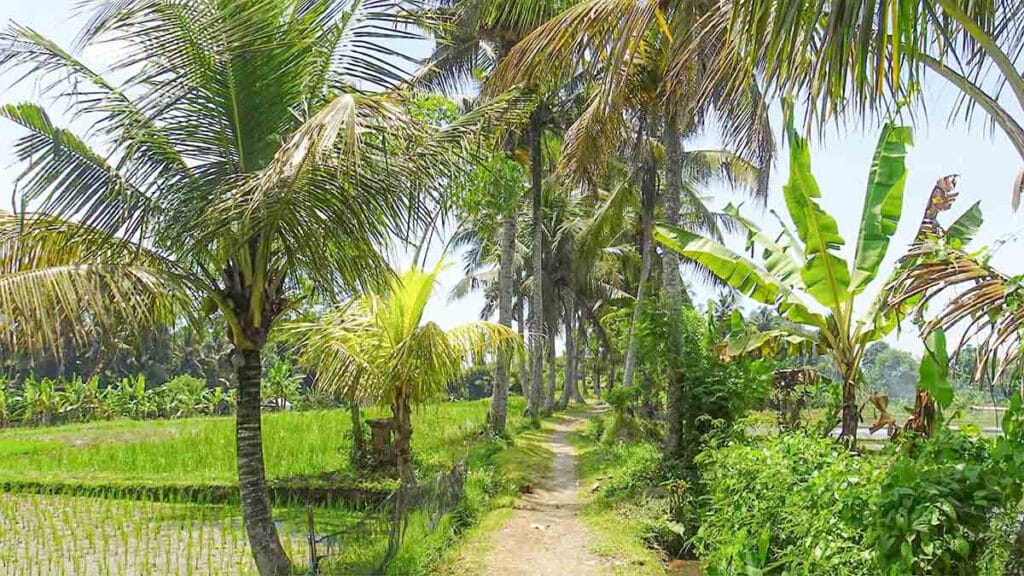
<point>130,399</point>
<point>803,274</point>
<point>39,401</point>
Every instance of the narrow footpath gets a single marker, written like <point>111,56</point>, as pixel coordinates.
<point>545,536</point>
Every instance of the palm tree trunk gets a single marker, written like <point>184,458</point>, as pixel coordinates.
<point>552,326</point>
<point>537,296</point>
<point>499,395</point>
<point>649,195</point>
<point>581,359</point>
<point>402,412</point>
<point>524,373</point>
<point>358,446</point>
<point>675,425</point>
<point>570,354</point>
<point>597,380</point>
<point>270,556</point>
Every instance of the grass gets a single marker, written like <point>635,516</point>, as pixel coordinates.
<point>201,451</point>
<point>618,511</point>
<point>109,534</point>
<point>67,535</point>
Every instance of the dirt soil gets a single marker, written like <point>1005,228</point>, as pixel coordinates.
<point>545,536</point>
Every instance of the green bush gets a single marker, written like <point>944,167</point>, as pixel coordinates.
<point>624,426</point>
<point>595,428</point>
<point>45,401</point>
<point>798,504</point>
<point>938,503</point>
<point>639,469</point>
<point>792,502</point>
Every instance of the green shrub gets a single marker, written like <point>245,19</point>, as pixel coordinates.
<point>624,425</point>
<point>938,503</point>
<point>793,501</point>
<point>639,470</point>
<point>181,396</point>
<point>595,428</point>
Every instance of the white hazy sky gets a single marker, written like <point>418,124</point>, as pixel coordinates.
<point>986,162</point>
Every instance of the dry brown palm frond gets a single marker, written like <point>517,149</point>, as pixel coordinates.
<point>986,303</point>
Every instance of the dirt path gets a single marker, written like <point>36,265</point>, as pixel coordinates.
<point>545,536</point>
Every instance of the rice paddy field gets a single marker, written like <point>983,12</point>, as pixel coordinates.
<point>201,451</point>
<point>104,499</point>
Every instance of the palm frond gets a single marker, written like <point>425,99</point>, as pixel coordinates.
<point>57,280</point>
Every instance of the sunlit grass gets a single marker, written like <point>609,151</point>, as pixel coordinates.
<point>112,534</point>
<point>616,525</point>
<point>201,451</point>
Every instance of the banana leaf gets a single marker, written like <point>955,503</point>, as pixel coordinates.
<point>883,203</point>
<point>738,272</point>
<point>825,274</point>
<point>962,230</point>
<point>934,370</point>
<point>780,260</point>
<point>735,270</point>
<point>765,343</point>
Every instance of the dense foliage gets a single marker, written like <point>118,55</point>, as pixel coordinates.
<point>244,172</point>
<point>795,504</point>
<point>46,401</point>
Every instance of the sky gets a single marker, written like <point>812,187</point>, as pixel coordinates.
<point>986,162</point>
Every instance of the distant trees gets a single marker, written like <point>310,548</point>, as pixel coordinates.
<point>889,370</point>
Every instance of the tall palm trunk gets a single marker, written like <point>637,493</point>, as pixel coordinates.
<point>582,355</point>
<point>649,193</point>
<point>551,310</point>
<point>611,371</point>
<point>570,355</point>
<point>499,396</point>
<point>524,373</point>
<point>402,413</point>
<point>270,556</point>
<point>358,442</point>
<point>675,426</point>
<point>535,399</point>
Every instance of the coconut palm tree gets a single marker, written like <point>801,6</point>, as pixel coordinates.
<point>865,56</point>
<point>241,145</point>
<point>378,348</point>
<point>489,231</point>
<point>644,100</point>
<point>473,36</point>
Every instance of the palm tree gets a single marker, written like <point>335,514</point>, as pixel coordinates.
<point>241,147</point>
<point>489,232</point>
<point>645,95</point>
<point>377,348</point>
<point>865,56</point>
<point>473,37</point>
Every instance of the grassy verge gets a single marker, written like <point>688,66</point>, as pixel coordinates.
<point>619,510</point>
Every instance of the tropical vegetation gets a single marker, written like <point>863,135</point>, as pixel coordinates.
<point>232,339</point>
